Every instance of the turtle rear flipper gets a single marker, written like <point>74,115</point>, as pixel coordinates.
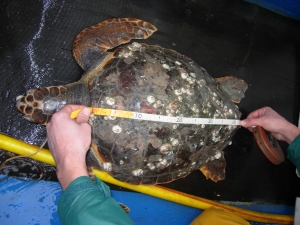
<point>92,42</point>
<point>234,87</point>
<point>215,169</point>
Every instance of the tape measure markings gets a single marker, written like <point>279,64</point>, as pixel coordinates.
<point>184,120</point>
<point>158,118</point>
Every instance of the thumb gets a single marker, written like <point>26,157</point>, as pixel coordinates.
<point>83,116</point>
<point>247,123</point>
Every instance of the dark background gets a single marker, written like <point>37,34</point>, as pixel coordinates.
<point>225,37</point>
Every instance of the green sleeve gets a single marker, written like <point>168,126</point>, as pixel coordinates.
<point>294,152</point>
<point>86,202</point>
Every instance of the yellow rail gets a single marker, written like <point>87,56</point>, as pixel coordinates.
<point>44,155</point>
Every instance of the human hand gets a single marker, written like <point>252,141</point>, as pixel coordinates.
<point>69,141</point>
<point>271,121</point>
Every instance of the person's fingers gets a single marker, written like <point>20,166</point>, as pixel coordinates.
<point>64,114</point>
<point>257,117</point>
<point>248,123</point>
<point>83,116</point>
<point>68,109</point>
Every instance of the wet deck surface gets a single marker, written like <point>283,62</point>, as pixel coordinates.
<point>224,37</point>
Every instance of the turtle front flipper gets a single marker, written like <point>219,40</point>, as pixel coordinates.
<point>234,87</point>
<point>215,169</point>
<point>92,42</point>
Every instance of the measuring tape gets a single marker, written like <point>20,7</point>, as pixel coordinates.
<point>157,118</point>
<point>270,149</point>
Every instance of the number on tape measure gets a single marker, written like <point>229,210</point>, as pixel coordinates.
<point>158,118</point>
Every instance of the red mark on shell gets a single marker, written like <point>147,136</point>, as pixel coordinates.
<point>147,109</point>
<point>127,79</point>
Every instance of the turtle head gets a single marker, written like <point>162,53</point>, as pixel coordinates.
<point>39,104</point>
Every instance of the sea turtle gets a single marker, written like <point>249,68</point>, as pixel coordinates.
<point>150,79</point>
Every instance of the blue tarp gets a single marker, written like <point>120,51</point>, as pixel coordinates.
<point>288,8</point>
<point>36,203</point>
